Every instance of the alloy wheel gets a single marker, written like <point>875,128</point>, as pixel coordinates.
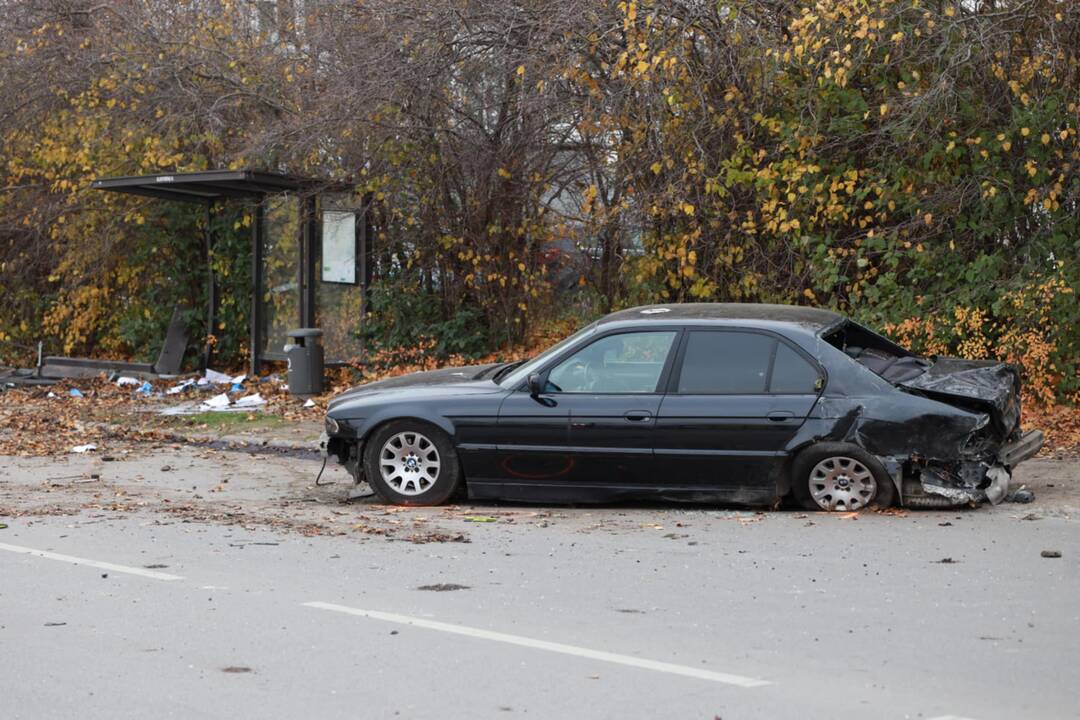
<point>842,483</point>
<point>409,463</point>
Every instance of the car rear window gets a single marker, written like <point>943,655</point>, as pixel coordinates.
<point>725,363</point>
<point>734,363</point>
<point>792,373</point>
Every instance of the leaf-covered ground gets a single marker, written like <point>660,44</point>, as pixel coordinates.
<point>41,421</point>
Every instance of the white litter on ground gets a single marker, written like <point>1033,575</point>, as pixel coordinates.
<point>218,378</point>
<point>217,402</point>
<point>89,447</point>
<point>180,388</point>
<point>251,401</point>
<point>125,380</point>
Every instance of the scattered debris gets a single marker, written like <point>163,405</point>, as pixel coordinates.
<point>309,403</point>
<point>251,401</point>
<point>216,402</point>
<point>75,393</point>
<point>1021,495</point>
<point>945,561</point>
<point>125,380</point>
<point>155,566</point>
<point>480,518</point>
<point>176,389</point>
<point>1051,553</point>
<point>443,587</point>
<point>217,378</point>
<point>55,624</point>
<point>89,447</point>
<point>3,526</point>
<point>235,668</point>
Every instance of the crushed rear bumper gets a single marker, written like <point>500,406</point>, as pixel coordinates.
<point>1024,447</point>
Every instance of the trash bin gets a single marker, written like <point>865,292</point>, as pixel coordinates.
<point>305,356</point>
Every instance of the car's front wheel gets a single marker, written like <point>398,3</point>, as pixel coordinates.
<point>840,476</point>
<point>411,463</point>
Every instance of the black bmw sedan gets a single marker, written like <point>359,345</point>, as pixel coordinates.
<point>739,404</point>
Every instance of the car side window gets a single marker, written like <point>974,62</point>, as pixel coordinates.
<point>624,363</point>
<point>725,363</point>
<point>792,374</point>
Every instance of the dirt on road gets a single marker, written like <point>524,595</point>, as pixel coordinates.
<point>271,488</point>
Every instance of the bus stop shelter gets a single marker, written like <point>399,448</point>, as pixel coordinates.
<point>310,253</point>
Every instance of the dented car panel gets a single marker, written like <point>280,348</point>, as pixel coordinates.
<point>945,430</point>
<point>949,436</point>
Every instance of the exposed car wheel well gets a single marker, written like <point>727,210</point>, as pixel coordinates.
<point>399,418</point>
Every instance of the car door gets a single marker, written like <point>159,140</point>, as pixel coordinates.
<point>735,399</point>
<point>608,393</point>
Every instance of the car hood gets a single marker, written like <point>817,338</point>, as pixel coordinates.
<point>466,377</point>
<point>987,385</point>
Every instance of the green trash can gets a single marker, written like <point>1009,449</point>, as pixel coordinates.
<point>305,357</point>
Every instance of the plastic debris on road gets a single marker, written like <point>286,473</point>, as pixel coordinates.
<point>75,392</point>
<point>217,402</point>
<point>251,401</point>
<point>145,389</point>
<point>126,380</point>
<point>217,378</point>
<point>310,403</point>
<point>181,387</point>
<point>89,447</point>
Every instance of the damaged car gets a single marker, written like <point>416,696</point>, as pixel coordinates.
<point>743,404</point>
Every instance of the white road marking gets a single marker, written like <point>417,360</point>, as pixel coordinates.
<point>153,574</point>
<point>726,678</point>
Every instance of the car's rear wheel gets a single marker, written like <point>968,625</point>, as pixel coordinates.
<point>411,463</point>
<point>840,476</point>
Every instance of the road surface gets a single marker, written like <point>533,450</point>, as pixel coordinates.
<point>185,582</point>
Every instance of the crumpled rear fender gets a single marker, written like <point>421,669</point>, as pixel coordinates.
<point>903,431</point>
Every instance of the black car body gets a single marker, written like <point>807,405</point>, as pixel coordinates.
<point>706,402</point>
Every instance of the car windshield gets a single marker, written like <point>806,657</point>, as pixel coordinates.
<point>518,376</point>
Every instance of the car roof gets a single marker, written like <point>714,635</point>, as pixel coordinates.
<point>815,319</point>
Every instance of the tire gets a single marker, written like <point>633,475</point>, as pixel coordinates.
<point>408,462</point>
<point>840,476</point>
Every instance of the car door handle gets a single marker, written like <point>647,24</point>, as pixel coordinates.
<point>780,415</point>
<point>637,415</point>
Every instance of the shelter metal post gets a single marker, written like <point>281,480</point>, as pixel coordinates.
<point>211,288</point>
<point>367,258</point>
<point>308,253</point>
<point>258,245</point>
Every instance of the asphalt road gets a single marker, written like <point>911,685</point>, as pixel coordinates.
<point>122,607</point>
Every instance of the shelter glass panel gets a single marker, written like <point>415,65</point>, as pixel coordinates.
<point>339,288</point>
<point>281,271</point>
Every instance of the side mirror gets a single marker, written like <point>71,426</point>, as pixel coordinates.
<point>536,384</point>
